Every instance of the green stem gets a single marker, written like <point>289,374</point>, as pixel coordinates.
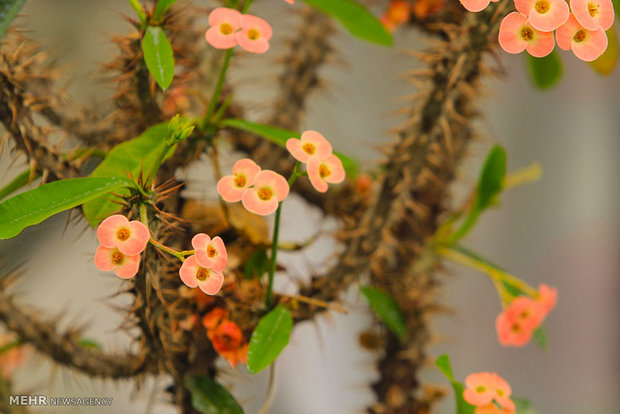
<point>162,156</point>
<point>246,6</point>
<point>274,242</point>
<point>218,88</point>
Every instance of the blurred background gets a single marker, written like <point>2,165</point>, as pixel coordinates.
<point>563,230</point>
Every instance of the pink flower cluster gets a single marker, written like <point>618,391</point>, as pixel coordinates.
<point>316,152</point>
<point>230,28</point>
<point>204,268</point>
<point>483,388</point>
<point>516,324</point>
<point>122,241</point>
<point>580,27</point>
<point>260,191</point>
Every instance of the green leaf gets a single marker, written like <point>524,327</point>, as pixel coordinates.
<point>386,308</point>
<point>546,71</point>
<point>36,205</point>
<point>606,63</point>
<point>17,183</point>
<point>209,397</point>
<point>523,406</point>
<point>158,56</point>
<point>540,336</point>
<point>162,7</point>
<point>89,343</point>
<point>130,157</point>
<point>462,406</point>
<point>256,265</point>
<point>490,184</point>
<point>356,19</point>
<point>280,136</point>
<point>8,11</point>
<point>269,338</point>
<point>135,4</point>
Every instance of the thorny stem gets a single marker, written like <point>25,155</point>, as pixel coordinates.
<point>274,243</point>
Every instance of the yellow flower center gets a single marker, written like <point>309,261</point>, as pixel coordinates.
<point>123,234</point>
<point>309,148</point>
<point>580,36</point>
<point>253,34</point>
<point>265,193</point>
<point>592,9</point>
<point>226,29</point>
<point>324,171</point>
<point>117,258</point>
<point>499,392</point>
<point>542,6</point>
<point>211,252</point>
<point>240,180</point>
<point>202,274</point>
<point>480,389</point>
<point>527,34</point>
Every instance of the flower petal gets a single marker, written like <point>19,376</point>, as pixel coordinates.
<point>106,232</point>
<point>188,270</point>
<point>212,284</point>
<point>129,267</point>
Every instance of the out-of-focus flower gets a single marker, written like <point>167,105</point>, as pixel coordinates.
<point>482,388</point>
<point>225,336</point>
<point>112,259</point>
<point>397,14</point>
<point>130,237</point>
<point>548,297</point>
<point>476,5</point>
<point>593,14</point>
<point>11,358</point>
<point>516,324</point>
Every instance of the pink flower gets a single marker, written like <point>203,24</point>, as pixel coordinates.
<point>480,388</point>
<point>544,15</point>
<point>232,187</point>
<point>517,323</point>
<point>516,34</point>
<point>254,35</point>
<point>586,44</point>
<point>548,297</point>
<point>325,171</point>
<point>290,1</point>
<point>210,254</point>
<point>483,387</point>
<point>130,237</point>
<point>476,5</point>
<point>269,189</point>
<point>224,25</point>
<point>108,259</point>
<point>194,275</point>
<point>311,145</point>
<point>11,358</point>
<point>593,14</point>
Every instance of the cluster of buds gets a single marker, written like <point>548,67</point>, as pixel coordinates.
<point>225,336</point>
<point>516,324</point>
<point>580,27</point>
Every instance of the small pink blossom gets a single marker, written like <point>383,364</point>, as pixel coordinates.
<point>512,332</point>
<point>194,275</point>
<point>11,358</point>
<point>516,34</point>
<point>502,393</point>
<point>112,259</point>
<point>593,14</point>
<point>328,170</point>
<point>548,297</point>
<point>476,5</point>
<point>544,15</point>
<point>516,324</point>
<point>131,237</point>
<point>232,187</point>
<point>311,145</point>
<point>269,189</point>
<point>480,388</point>
<point>210,253</point>
<point>224,23</point>
<point>254,35</point>
<point>586,44</point>
<point>290,1</point>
